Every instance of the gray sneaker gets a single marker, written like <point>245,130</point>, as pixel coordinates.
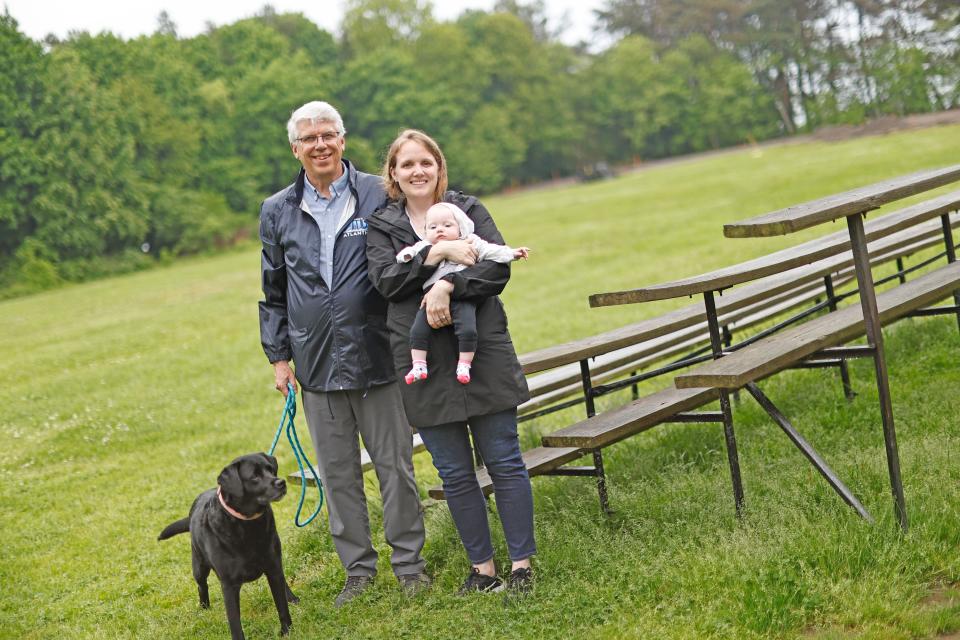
<point>354,586</point>
<point>414,584</point>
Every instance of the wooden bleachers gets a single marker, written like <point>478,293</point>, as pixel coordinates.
<point>815,339</point>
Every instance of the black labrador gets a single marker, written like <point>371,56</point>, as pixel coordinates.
<point>232,531</point>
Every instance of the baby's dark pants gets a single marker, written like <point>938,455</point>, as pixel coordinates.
<point>464,326</point>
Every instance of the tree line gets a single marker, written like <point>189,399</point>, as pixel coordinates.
<point>117,153</point>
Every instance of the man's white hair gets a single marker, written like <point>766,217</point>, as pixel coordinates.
<point>314,112</point>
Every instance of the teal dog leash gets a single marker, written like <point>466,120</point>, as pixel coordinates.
<point>286,420</point>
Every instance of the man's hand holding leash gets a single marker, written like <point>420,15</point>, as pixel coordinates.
<point>283,375</point>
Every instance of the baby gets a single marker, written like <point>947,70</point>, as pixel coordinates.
<point>445,221</point>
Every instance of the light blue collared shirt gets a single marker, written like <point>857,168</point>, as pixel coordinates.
<point>327,213</point>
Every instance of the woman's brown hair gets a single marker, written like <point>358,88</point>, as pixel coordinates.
<point>393,189</point>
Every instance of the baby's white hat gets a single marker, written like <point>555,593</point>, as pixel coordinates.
<point>463,220</point>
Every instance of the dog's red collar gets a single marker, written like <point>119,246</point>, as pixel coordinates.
<point>232,511</point>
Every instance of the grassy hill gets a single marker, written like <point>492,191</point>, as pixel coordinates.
<point>122,399</point>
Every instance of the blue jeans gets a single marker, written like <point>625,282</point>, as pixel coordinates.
<point>495,435</point>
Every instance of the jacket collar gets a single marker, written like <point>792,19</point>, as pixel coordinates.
<point>392,219</point>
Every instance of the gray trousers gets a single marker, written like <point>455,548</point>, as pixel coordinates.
<point>335,418</point>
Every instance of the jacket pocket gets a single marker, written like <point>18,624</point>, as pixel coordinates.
<point>377,347</point>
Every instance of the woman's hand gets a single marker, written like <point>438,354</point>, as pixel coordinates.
<point>459,251</point>
<point>437,303</point>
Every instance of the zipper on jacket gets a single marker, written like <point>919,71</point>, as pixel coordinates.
<point>333,271</point>
<point>330,296</point>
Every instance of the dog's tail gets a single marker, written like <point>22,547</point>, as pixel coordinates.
<point>172,529</point>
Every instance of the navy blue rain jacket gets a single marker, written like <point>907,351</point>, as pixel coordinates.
<point>335,333</point>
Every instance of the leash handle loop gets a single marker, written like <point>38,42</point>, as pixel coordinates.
<point>286,420</point>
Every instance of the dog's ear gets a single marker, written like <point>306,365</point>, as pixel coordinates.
<point>230,479</point>
<point>271,463</point>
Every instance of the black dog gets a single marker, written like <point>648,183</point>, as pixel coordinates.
<point>232,531</point>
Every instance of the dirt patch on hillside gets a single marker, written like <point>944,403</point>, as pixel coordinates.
<point>887,124</point>
<point>877,126</point>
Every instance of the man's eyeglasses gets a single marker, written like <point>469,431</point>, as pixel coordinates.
<point>311,141</point>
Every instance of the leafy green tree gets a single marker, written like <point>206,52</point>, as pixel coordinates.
<point>231,50</point>
<point>372,25</point>
<point>261,104</point>
<point>528,83</point>
<point>534,15</point>
<point>22,85</point>
<point>88,203</point>
<point>713,100</point>
<point>481,157</point>
<point>667,22</point>
<point>380,94</point>
<point>303,35</point>
<point>621,100</point>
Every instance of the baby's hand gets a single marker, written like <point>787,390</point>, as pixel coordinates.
<point>521,252</point>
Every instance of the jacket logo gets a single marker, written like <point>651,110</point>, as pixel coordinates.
<point>357,228</point>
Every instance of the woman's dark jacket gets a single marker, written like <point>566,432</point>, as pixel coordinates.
<point>497,381</point>
<point>336,335</point>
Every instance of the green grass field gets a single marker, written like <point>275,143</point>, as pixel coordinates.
<point>122,399</point>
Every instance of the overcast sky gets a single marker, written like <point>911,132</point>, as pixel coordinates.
<point>131,18</point>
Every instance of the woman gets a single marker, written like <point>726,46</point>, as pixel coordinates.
<point>442,409</point>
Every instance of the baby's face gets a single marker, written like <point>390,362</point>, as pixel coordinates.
<point>441,225</point>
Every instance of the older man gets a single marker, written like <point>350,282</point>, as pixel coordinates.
<point>321,311</point>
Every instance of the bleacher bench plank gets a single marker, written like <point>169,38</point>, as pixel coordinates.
<point>538,461</point>
<point>785,259</point>
<point>809,214</point>
<point>642,414</point>
<point>779,351</point>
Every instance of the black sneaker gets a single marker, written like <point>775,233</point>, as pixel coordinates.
<point>354,586</point>
<point>477,582</point>
<point>414,583</point>
<point>520,581</point>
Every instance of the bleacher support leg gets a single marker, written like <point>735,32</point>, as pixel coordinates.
<point>903,276</point>
<point>601,482</point>
<point>727,343</point>
<point>729,438</point>
<point>844,369</point>
<point>871,318</point>
<point>818,463</point>
<point>477,458</point>
<point>597,456</point>
<point>951,254</point>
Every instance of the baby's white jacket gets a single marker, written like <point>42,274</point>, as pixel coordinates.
<point>486,250</point>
